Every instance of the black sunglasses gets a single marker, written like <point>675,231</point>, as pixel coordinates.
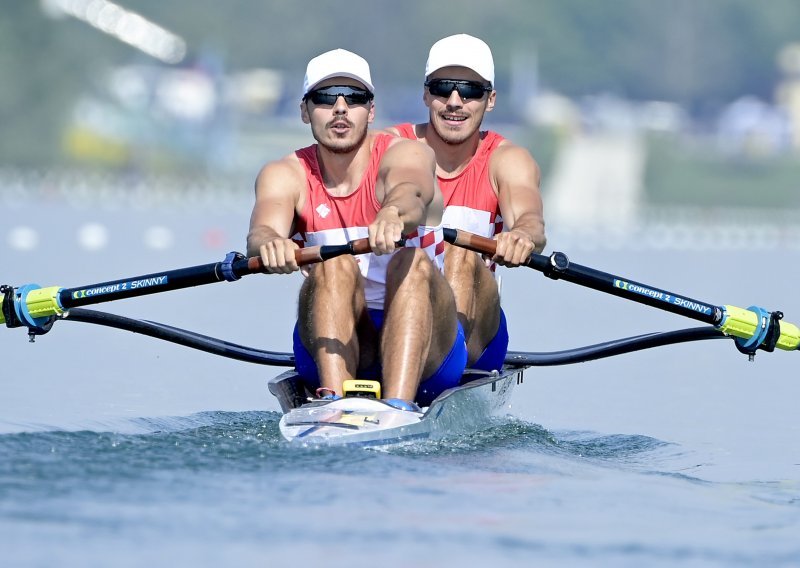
<point>466,89</point>
<point>328,95</point>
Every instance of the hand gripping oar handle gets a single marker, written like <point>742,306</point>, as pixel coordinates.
<point>754,328</point>
<point>34,307</point>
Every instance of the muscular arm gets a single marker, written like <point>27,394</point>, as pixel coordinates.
<point>278,192</point>
<point>406,188</point>
<point>516,175</point>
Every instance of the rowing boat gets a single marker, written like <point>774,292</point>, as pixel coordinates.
<point>361,421</point>
<point>355,420</point>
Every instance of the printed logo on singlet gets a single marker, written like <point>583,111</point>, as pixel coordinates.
<point>323,210</point>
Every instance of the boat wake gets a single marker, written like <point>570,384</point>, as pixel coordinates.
<point>509,433</point>
<point>206,440</point>
<point>251,441</point>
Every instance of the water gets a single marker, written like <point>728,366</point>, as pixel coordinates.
<point>222,488</point>
<point>119,450</point>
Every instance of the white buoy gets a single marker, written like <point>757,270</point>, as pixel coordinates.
<point>159,238</point>
<point>93,236</point>
<point>23,239</point>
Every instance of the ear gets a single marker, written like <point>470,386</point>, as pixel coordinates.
<point>304,115</point>
<point>371,115</point>
<point>426,98</point>
<point>490,102</point>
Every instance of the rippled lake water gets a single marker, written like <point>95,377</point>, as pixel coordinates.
<point>119,450</point>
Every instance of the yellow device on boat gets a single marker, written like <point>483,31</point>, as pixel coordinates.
<point>359,387</point>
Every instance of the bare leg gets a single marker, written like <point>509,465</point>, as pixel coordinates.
<point>420,323</point>
<point>331,307</point>
<point>477,298</point>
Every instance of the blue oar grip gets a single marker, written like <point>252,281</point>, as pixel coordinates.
<point>758,338</point>
<point>23,313</point>
<point>227,266</point>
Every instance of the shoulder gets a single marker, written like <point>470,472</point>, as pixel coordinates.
<point>508,155</point>
<point>288,165</point>
<point>410,148</point>
<point>511,165</point>
<point>391,130</point>
<point>285,172</point>
<point>407,130</point>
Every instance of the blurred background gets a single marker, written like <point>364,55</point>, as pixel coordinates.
<point>639,113</point>
<point>668,135</point>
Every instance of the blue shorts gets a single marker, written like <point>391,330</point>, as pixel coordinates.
<point>494,355</point>
<point>448,374</point>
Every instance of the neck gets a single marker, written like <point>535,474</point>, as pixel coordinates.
<point>342,171</point>
<point>451,159</point>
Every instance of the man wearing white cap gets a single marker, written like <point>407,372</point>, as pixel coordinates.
<point>490,187</point>
<point>389,314</point>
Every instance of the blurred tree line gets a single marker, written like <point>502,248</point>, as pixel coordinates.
<point>699,53</point>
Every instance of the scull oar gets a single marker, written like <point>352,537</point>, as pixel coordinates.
<point>753,328</point>
<point>35,307</point>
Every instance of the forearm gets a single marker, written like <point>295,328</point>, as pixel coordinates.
<point>406,200</point>
<point>531,225</point>
<point>259,236</point>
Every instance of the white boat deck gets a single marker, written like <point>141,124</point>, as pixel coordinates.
<point>364,421</point>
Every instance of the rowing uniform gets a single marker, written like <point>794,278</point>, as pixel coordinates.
<point>334,220</point>
<point>471,204</point>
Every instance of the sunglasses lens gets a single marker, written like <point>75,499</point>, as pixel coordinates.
<point>357,98</point>
<point>328,95</point>
<point>321,98</point>
<point>439,89</point>
<point>465,89</point>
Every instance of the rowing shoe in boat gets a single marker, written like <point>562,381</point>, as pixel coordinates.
<point>356,420</point>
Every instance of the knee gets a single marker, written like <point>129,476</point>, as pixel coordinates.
<point>459,261</point>
<point>339,275</point>
<point>409,263</point>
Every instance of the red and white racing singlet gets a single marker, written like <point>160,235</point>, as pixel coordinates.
<point>470,201</point>
<point>334,220</point>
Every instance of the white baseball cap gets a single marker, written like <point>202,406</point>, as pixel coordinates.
<point>337,63</point>
<point>462,50</point>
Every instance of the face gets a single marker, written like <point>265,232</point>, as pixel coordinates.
<point>455,119</point>
<point>339,127</point>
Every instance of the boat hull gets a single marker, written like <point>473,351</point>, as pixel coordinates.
<point>364,421</point>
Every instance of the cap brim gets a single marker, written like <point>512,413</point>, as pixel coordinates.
<point>366,84</point>
<point>457,64</point>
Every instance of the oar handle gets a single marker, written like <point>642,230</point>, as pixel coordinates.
<point>311,255</point>
<point>470,241</point>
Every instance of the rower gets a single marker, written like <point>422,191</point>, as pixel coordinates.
<point>489,185</point>
<point>389,314</point>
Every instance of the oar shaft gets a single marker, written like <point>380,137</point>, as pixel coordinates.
<point>752,324</point>
<point>557,266</point>
<point>31,305</point>
<point>635,291</point>
<point>140,285</point>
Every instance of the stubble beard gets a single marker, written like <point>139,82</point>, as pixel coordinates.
<point>451,137</point>
<point>343,146</point>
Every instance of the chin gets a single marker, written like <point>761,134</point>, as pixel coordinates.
<point>346,145</point>
<point>451,136</point>
<point>343,147</point>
